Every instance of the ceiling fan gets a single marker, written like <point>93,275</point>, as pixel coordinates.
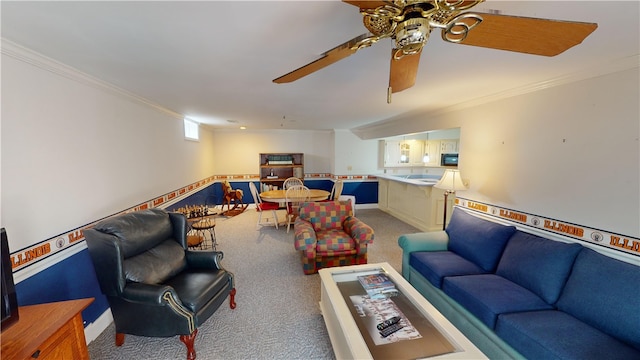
<point>410,22</point>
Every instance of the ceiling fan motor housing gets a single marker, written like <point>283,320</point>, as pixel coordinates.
<point>411,35</point>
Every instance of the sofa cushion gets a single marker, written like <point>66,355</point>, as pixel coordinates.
<point>435,265</point>
<point>156,265</point>
<point>138,231</point>
<point>488,295</point>
<point>538,264</point>
<point>603,292</point>
<point>552,334</point>
<point>477,240</point>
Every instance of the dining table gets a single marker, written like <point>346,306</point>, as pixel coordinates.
<point>280,195</point>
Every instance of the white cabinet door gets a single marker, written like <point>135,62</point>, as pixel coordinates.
<point>416,152</point>
<point>432,147</point>
<point>449,147</point>
<point>391,153</point>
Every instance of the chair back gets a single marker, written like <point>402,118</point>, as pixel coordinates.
<point>254,193</point>
<point>336,191</point>
<point>296,195</point>
<point>325,215</point>
<point>145,246</point>
<point>292,181</point>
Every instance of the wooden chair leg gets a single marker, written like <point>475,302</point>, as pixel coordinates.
<point>232,298</point>
<point>119,339</point>
<point>189,340</point>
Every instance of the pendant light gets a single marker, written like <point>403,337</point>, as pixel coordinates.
<point>425,158</point>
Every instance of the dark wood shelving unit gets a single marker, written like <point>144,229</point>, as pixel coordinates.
<point>275,168</point>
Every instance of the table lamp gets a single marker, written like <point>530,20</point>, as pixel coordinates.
<point>450,182</point>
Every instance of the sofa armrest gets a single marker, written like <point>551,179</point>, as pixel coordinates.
<point>305,236</point>
<point>148,294</point>
<point>204,259</point>
<point>423,241</point>
<point>360,232</point>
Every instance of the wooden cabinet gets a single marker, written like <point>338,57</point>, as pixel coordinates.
<point>275,168</point>
<point>47,331</point>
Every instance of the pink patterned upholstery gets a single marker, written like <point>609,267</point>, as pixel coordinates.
<point>327,234</point>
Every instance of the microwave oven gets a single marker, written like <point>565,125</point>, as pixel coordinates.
<point>449,160</point>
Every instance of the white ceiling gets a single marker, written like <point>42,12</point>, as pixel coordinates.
<point>214,61</point>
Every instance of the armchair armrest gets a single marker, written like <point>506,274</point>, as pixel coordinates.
<point>147,294</point>
<point>305,236</point>
<point>358,230</point>
<point>204,259</point>
<point>423,241</point>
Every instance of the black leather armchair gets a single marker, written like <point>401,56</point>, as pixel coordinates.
<point>155,285</point>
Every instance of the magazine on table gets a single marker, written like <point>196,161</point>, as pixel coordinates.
<point>378,286</point>
<point>375,313</point>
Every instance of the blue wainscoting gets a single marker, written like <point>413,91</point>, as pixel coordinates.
<point>71,278</point>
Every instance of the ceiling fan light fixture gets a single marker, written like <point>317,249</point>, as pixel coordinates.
<point>411,35</point>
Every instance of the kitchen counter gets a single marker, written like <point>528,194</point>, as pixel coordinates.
<point>413,199</point>
<point>415,179</point>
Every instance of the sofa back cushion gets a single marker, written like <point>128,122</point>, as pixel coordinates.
<point>138,231</point>
<point>326,215</point>
<point>540,265</point>
<point>603,292</point>
<point>157,264</point>
<point>477,240</point>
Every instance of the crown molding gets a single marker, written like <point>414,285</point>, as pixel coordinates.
<point>42,62</point>
<point>390,126</point>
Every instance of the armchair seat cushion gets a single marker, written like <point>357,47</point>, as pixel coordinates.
<point>196,287</point>
<point>334,240</point>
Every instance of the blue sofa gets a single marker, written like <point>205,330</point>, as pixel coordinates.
<point>517,295</point>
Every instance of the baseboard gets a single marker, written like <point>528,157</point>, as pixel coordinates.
<point>93,330</point>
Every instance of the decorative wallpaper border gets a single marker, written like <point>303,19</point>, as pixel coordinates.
<point>603,238</point>
<point>33,254</point>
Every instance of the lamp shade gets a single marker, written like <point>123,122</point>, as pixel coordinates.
<point>451,181</point>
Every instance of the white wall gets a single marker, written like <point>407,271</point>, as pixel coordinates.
<point>75,150</point>
<point>237,151</point>
<point>354,156</point>
<point>569,152</point>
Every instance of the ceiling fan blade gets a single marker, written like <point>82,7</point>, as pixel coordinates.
<point>403,72</point>
<point>365,4</point>
<point>334,55</point>
<point>528,35</point>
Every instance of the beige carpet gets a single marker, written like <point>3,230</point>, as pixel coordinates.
<point>277,316</point>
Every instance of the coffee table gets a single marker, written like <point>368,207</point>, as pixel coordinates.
<point>351,318</point>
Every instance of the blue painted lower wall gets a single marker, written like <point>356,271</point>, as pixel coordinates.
<point>71,278</point>
<point>75,278</point>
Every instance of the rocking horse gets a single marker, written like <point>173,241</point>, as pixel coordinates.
<point>232,196</point>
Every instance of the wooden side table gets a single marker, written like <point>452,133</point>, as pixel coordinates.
<point>47,331</point>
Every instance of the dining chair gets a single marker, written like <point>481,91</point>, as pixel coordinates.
<point>294,196</point>
<point>261,207</point>
<point>336,191</point>
<point>292,181</point>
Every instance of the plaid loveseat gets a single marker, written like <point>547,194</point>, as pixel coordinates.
<point>327,234</point>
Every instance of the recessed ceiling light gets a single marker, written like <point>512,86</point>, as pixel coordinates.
<point>243,128</point>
